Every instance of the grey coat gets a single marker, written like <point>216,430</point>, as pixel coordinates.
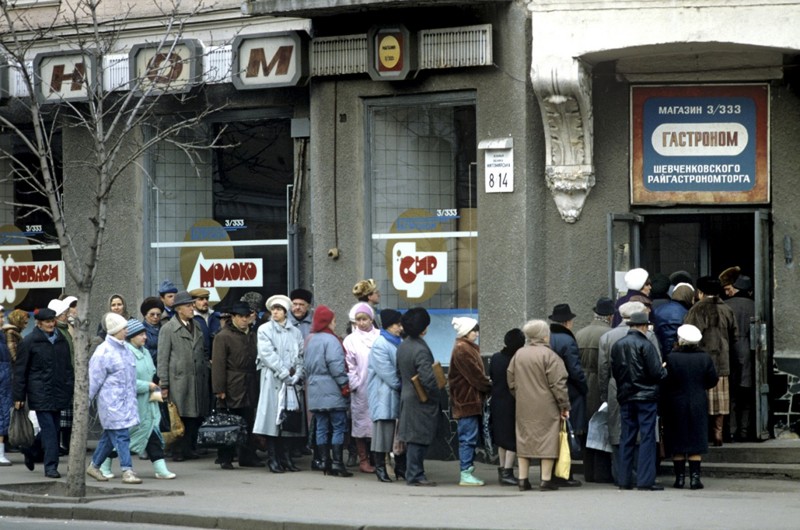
<point>183,368</point>
<point>606,383</point>
<point>418,421</point>
<point>588,340</point>
<point>326,373</point>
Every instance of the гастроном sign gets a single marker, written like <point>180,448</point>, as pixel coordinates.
<point>699,144</point>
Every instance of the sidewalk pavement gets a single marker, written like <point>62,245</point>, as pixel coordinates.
<point>255,498</point>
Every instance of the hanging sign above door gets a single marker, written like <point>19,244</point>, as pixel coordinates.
<point>705,144</point>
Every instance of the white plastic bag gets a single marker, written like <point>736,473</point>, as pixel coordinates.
<point>597,437</point>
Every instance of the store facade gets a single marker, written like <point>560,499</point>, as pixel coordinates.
<point>578,136</point>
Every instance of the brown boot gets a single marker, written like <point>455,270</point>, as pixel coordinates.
<point>363,457</point>
<point>718,422</point>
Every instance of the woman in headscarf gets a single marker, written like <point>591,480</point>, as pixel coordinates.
<point>503,407</point>
<point>538,380</point>
<point>280,360</point>
<point>690,373</point>
<point>357,346</point>
<point>116,304</point>
<point>418,419</point>
<point>383,386</point>
<point>328,390</point>
<point>17,322</point>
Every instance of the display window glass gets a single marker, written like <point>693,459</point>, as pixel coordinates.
<point>423,209</point>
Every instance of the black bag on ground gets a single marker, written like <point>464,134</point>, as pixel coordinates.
<point>222,429</point>
<point>20,428</point>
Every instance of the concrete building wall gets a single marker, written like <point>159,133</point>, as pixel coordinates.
<point>121,263</point>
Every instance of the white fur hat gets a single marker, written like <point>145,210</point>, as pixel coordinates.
<point>636,278</point>
<point>114,323</point>
<point>281,300</point>
<point>689,334</point>
<point>464,325</point>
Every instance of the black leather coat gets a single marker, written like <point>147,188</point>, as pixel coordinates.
<point>636,366</point>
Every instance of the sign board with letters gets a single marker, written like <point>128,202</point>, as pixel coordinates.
<point>65,76</point>
<point>498,160</point>
<point>392,52</point>
<point>168,67</point>
<point>270,60</point>
<point>705,144</point>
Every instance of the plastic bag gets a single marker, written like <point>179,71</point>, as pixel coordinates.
<point>172,427</point>
<point>597,437</point>
<point>564,461</point>
<point>20,428</point>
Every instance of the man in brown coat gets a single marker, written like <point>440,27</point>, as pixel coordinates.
<point>596,464</point>
<point>235,380</point>
<point>469,387</point>
<point>717,323</point>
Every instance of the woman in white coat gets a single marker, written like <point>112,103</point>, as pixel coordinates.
<point>280,360</point>
<point>357,346</point>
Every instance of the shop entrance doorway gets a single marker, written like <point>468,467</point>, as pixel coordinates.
<point>704,244</point>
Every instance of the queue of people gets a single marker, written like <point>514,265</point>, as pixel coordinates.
<point>282,367</point>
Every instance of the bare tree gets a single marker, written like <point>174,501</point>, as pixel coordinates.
<point>122,122</point>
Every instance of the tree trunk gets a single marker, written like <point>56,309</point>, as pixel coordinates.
<point>76,475</point>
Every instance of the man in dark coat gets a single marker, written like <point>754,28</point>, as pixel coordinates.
<point>742,376</point>
<point>588,340</point>
<point>43,376</point>
<point>235,380</point>
<point>418,419</point>
<point>638,371</point>
<point>562,341</point>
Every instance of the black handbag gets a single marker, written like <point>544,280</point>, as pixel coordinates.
<point>222,429</point>
<point>574,443</point>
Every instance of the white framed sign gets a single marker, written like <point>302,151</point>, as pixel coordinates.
<point>498,159</point>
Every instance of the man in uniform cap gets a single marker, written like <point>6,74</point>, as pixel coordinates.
<point>638,371</point>
<point>207,320</point>
<point>167,292</point>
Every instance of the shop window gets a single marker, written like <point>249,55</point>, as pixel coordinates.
<point>226,229</point>
<point>24,223</point>
<point>423,241</point>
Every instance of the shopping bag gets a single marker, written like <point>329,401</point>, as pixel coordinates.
<point>564,461</point>
<point>290,418</point>
<point>222,429</point>
<point>171,424</point>
<point>574,443</point>
<point>20,428</point>
<point>597,436</point>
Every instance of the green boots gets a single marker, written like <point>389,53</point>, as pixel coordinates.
<point>468,479</point>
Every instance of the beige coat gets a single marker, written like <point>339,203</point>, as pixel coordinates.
<point>538,379</point>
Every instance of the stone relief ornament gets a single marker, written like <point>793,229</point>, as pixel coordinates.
<point>563,89</point>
